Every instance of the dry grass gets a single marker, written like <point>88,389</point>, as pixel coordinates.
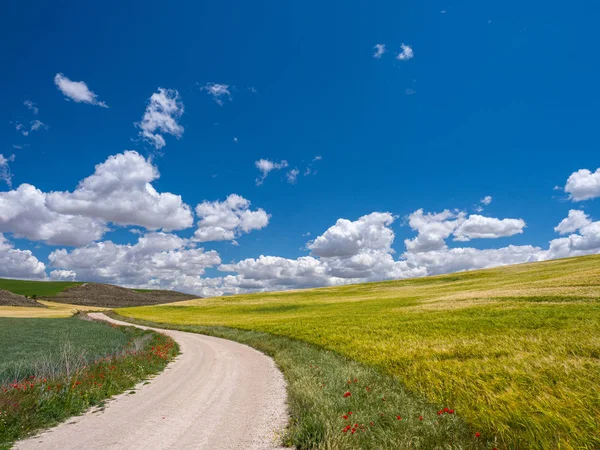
<point>515,350</point>
<point>53,310</point>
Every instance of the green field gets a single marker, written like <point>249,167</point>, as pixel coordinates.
<point>52,369</point>
<point>37,288</point>
<point>30,345</point>
<point>515,350</point>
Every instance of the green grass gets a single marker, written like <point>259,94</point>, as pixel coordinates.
<point>29,344</point>
<point>515,350</point>
<point>37,288</point>
<point>69,384</point>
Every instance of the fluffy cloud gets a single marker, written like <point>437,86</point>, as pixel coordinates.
<point>586,241</point>
<point>583,185</point>
<point>77,91</point>
<point>218,92</point>
<point>379,51</point>
<point>158,259</point>
<point>162,113</point>
<point>34,125</point>
<point>227,220</point>
<point>15,263</point>
<point>63,275</point>
<point>486,200</point>
<point>433,229</point>
<point>346,238</point>
<point>406,53</point>
<point>477,226</point>
<point>25,214</point>
<point>265,166</point>
<point>5,173</point>
<point>120,191</point>
<point>574,221</point>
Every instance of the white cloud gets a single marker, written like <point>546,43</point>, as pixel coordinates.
<point>162,113</point>
<point>477,226</point>
<point>77,91</point>
<point>347,238</point>
<point>265,166</point>
<point>227,220</point>
<point>38,125</point>
<point>5,173</point>
<point>157,260</point>
<point>574,221</point>
<point>120,191</point>
<point>433,229</point>
<point>218,92</point>
<point>31,106</point>
<point>486,200</point>
<point>15,263</point>
<point>24,213</point>
<point>379,50</point>
<point>585,242</point>
<point>63,275</point>
<point>583,185</point>
<point>292,176</point>
<point>235,139</point>
<point>406,53</point>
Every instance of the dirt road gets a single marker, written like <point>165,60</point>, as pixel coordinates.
<point>216,395</point>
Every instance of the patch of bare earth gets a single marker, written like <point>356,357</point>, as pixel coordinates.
<point>10,299</point>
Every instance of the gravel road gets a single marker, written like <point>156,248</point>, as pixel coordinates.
<point>216,395</point>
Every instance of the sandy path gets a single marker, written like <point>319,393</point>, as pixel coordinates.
<point>216,395</point>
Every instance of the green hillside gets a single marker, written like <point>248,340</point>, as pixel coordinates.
<point>37,288</point>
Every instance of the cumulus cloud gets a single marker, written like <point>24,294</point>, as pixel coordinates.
<point>162,113</point>
<point>63,275</point>
<point>15,263</point>
<point>586,241</point>
<point>227,220</point>
<point>120,191</point>
<point>31,106</point>
<point>77,91</point>
<point>583,185</point>
<point>5,173</point>
<point>265,166</point>
<point>406,53</point>
<point>379,50</point>
<point>218,92</point>
<point>161,260</point>
<point>574,221</point>
<point>25,214</point>
<point>433,229</point>
<point>477,226</point>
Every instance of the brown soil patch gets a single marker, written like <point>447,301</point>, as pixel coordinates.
<point>108,296</point>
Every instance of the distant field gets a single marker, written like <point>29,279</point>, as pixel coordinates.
<point>52,310</point>
<point>514,350</point>
<point>37,288</point>
<point>30,344</point>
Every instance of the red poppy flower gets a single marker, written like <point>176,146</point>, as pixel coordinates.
<point>478,434</point>
<point>420,417</point>
<point>399,417</point>
<point>345,416</point>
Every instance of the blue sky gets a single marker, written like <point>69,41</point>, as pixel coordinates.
<point>492,100</point>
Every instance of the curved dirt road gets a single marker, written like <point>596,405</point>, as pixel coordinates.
<point>216,395</point>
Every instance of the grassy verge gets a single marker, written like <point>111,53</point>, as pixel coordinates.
<point>67,381</point>
<point>336,403</point>
<point>515,350</point>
